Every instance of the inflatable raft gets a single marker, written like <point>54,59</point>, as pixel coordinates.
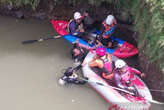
<point>113,96</point>
<point>123,50</point>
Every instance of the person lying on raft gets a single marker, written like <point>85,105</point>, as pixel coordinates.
<point>124,74</point>
<point>70,77</point>
<point>103,61</point>
<point>107,29</point>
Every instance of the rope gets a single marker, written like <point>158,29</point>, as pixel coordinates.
<point>155,90</point>
<point>101,84</point>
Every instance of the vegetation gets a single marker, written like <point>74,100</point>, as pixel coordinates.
<point>148,17</point>
<point>19,3</point>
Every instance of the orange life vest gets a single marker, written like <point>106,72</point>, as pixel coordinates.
<point>108,28</point>
<point>105,64</point>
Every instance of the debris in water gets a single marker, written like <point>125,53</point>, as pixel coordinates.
<point>73,100</point>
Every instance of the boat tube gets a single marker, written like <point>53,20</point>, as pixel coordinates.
<point>123,49</point>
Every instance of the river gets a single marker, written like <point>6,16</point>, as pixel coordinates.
<point>29,73</point>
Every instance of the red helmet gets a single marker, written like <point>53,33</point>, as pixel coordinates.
<point>100,51</point>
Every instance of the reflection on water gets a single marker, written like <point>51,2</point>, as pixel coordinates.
<point>29,73</point>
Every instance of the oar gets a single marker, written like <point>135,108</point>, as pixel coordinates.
<point>39,40</point>
<point>156,90</point>
<point>98,83</point>
<point>154,101</point>
<point>101,84</point>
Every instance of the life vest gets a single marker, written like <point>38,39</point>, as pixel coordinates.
<point>127,76</point>
<point>108,29</point>
<point>107,67</point>
<point>80,26</point>
<point>68,30</point>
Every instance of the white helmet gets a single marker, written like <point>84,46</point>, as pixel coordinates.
<point>77,15</point>
<point>120,64</point>
<point>61,82</point>
<point>109,20</point>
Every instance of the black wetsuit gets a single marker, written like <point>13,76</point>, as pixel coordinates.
<point>74,80</point>
<point>81,56</point>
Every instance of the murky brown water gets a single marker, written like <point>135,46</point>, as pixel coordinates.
<point>29,73</point>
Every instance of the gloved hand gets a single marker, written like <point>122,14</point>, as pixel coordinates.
<point>77,41</point>
<point>98,37</point>
<point>142,75</point>
<point>82,30</point>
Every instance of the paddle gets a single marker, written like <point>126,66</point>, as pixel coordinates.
<point>101,84</point>
<point>154,101</point>
<point>131,93</point>
<point>39,40</point>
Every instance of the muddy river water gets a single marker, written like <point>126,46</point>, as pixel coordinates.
<point>29,73</point>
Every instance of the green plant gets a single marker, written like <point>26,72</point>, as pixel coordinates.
<point>19,3</point>
<point>149,22</point>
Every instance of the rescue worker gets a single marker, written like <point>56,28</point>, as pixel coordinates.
<point>75,26</point>
<point>104,62</point>
<point>71,77</point>
<point>78,53</point>
<point>89,28</point>
<point>107,29</point>
<point>123,75</point>
<point>81,26</point>
<point>88,22</point>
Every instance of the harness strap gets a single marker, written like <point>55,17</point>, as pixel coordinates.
<point>106,58</point>
<point>68,30</point>
<point>108,28</point>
